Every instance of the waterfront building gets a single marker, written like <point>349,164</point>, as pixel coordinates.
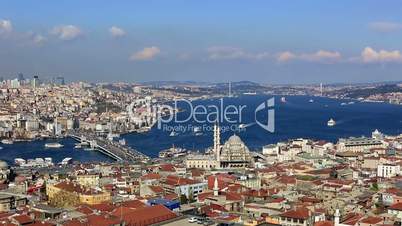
<point>360,144</point>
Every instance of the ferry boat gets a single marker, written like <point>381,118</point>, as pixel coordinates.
<point>37,162</point>
<point>311,101</point>
<point>7,141</point>
<point>283,99</point>
<point>66,161</point>
<point>331,122</point>
<point>53,145</point>
<point>197,131</point>
<point>173,134</point>
<point>172,152</point>
<point>250,93</point>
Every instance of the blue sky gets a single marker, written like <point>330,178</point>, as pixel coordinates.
<point>280,41</point>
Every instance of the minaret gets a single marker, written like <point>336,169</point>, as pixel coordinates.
<point>217,141</point>
<point>216,188</point>
<point>336,217</point>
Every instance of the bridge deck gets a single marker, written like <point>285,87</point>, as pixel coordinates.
<point>112,149</point>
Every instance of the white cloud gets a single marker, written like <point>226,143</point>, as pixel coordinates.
<point>147,53</point>
<point>369,55</point>
<point>5,27</point>
<point>66,32</point>
<point>383,26</point>
<point>39,39</point>
<point>229,53</point>
<point>322,56</point>
<point>116,32</point>
<point>285,56</point>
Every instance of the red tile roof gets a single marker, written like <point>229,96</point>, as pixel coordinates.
<point>396,206</point>
<point>301,213</point>
<point>23,219</point>
<point>324,223</point>
<point>151,176</point>
<point>149,215</point>
<point>134,204</point>
<point>103,220</point>
<point>352,218</point>
<point>104,207</point>
<point>372,220</point>
<point>156,189</point>
<point>74,187</point>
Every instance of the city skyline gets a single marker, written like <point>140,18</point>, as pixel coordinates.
<point>269,42</point>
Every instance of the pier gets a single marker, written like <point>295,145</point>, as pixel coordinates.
<point>112,149</point>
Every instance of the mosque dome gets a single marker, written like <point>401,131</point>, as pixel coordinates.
<point>3,164</point>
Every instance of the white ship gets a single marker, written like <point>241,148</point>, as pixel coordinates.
<point>197,131</point>
<point>66,161</point>
<point>6,141</point>
<point>283,99</point>
<point>172,152</point>
<point>250,93</point>
<point>53,145</point>
<point>37,162</point>
<point>311,101</point>
<point>173,134</point>
<point>331,122</point>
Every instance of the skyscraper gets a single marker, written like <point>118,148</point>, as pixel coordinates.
<point>35,81</point>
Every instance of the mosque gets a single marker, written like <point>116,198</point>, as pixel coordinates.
<point>231,155</point>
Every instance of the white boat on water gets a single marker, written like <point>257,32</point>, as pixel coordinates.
<point>250,93</point>
<point>173,134</point>
<point>283,99</point>
<point>311,101</point>
<point>242,126</point>
<point>53,145</point>
<point>7,141</point>
<point>1,148</point>
<point>331,122</point>
<point>197,131</point>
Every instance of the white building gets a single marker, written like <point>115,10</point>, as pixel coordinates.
<point>388,170</point>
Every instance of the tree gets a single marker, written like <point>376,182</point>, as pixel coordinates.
<point>183,199</point>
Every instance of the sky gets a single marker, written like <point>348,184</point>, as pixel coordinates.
<point>272,42</point>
